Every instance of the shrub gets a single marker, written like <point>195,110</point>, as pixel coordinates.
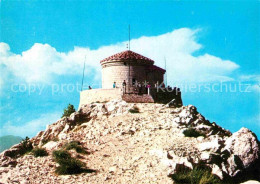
<point>72,166</point>
<point>25,146</point>
<point>61,155</point>
<point>198,175</point>
<point>191,132</point>
<point>44,141</point>
<point>134,110</point>
<point>12,154</point>
<point>39,152</point>
<point>67,112</point>
<point>76,146</point>
<point>67,164</point>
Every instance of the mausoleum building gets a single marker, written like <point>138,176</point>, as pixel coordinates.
<point>131,77</point>
<point>132,68</point>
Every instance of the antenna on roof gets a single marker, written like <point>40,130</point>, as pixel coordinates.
<point>165,71</point>
<point>83,74</point>
<point>129,37</point>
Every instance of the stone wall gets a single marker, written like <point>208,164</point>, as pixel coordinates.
<point>105,95</point>
<point>164,96</point>
<point>134,98</point>
<point>99,95</point>
<point>155,76</point>
<point>119,71</point>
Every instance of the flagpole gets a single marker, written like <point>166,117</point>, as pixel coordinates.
<point>83,74</point>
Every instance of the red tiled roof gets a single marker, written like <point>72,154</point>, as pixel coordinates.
<point>127,55</point>
<point>154,67</point>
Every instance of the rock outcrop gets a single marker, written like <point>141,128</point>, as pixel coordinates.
<point>142,147</point>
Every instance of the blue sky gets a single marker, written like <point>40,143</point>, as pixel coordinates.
<point>44,43</point>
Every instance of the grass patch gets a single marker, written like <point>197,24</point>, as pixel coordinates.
<point>68,164</point>
<point>61,155</point>
<point>72,166</point>
<point>45,141</point>
<point>76,146</point>
<point>134,110</point>
<point>191,132</point>
<point>39,152</point>
<point>198,175</point>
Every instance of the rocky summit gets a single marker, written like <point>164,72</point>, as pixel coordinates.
<point>135,143</point>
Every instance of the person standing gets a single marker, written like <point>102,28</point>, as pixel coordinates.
<point>139,88</point>
<point>114,85</point>
<point>124,87</point>
<point>148,88</point>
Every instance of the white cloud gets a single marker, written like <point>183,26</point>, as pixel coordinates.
<point>30,128</point>
<point>252,78</point>
<point>42,62</point>
<point>255,88</point>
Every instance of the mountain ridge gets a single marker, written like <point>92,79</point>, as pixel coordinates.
<point>9,140</point>
<point>137,143</point>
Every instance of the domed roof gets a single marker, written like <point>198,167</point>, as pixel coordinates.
<point>127,55</point>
